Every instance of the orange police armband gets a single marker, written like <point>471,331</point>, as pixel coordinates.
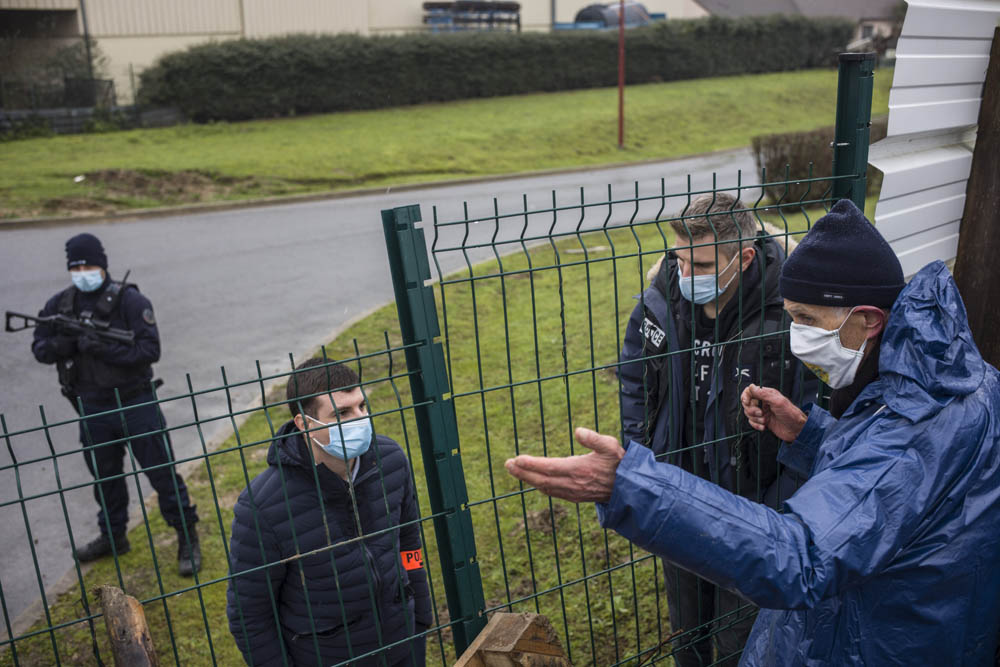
<point>412,560</point>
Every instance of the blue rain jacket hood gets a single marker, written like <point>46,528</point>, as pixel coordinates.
<point>890,553</point>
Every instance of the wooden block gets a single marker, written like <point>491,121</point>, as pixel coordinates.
<point>515,640</point>
<point>131,643</point>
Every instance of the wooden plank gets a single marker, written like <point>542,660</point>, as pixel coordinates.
<point>977,270</point>
<point>131,643</point>
<point>515,640</point>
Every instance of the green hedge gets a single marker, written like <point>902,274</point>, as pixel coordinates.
<point>243,79</point>
<point>792,153</point>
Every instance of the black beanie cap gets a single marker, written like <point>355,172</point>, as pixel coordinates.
<point>85,249</point>
<point>843,261</point>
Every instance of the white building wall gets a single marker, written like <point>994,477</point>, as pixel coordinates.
<point>40,4</point>
<point>941,62</point>
<point>266,18</point>
<point>136,18</point>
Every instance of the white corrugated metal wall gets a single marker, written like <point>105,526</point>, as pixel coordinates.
<point>59,5</point>
<point>926,156</point>
<point>265,17</point>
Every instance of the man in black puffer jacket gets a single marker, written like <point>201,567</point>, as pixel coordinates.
<point>711,323</point>
<point>325,553</point>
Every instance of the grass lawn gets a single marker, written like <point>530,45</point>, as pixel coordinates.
<point>530,355</point>
<point>230,161</point>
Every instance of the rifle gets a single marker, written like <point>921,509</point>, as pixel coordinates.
<point>78,325</point>
<point>20,322</point>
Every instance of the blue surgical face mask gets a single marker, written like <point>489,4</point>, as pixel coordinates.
<point>702,289</point>
<point>87,281</point>
<point>355,441</point>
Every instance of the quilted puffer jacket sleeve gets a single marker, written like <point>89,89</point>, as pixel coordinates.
<point>639,381</point>
<point>843,525</point>
<point>252,598</point>
<point>409,539</point>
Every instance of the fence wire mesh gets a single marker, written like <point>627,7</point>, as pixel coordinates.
<point>533,327</point>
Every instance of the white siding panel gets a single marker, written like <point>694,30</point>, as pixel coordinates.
<point>935,94</point>
<point>913,118</point>
<point>40,4</point>
<point>926,237</point>
<point>927,46</point>
<point>944,248</point>
<point>133,18</point>
<point>921,171</point>
<point>942,18</point>
<point>942,57</point>
<point>920,211</point>
<point>931,69</point>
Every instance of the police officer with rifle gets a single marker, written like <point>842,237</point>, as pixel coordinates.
<point>101,335</point>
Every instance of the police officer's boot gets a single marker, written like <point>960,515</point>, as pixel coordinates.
<point>102,547</point>
<point>188,551</point>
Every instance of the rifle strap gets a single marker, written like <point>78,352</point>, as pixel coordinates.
<point>106,303</point>
<point>66,300</point>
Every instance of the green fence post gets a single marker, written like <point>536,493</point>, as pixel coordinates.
<point>437,426</point>
<point>854,114</point>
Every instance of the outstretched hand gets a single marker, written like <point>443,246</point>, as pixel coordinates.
<point>582,478</point>
<point>767,408</point>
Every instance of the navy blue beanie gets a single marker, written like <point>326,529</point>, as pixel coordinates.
<point>85,249</point>
<point>842,261</point>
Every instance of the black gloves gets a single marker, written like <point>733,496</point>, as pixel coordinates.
<point>92,345</point>
<point>63,346</point>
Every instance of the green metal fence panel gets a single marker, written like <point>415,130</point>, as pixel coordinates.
<point>508,328</point>
<point>854,114</point>
<point>436,423</point>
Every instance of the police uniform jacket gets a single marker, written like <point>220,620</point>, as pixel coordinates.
<point>112,365</point>
<point>322,605</point>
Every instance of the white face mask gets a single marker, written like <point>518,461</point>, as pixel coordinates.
<point>822,352</point>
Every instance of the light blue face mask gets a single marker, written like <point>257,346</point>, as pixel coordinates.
<point>87,281</point>
<point>705,288</point>
<point>357,438</point>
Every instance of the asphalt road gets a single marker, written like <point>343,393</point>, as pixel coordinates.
<point>236,287</point>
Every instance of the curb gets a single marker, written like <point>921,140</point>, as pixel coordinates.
<point>213,207</point>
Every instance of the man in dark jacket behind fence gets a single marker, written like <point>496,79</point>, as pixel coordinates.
<point>716,296</point>
<point>326,556</point>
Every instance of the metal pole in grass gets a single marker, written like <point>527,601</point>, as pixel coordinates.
<point>86,40</point>
<point>854,114</point>
<point>437,426</point>
<point>621,74</point>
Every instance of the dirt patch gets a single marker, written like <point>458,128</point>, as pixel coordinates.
<point>541,520</point>
<point>74,205</point>
<point>110,190</point>
<point>179,186</point>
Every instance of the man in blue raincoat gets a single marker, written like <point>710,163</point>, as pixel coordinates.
<point>890,553</point>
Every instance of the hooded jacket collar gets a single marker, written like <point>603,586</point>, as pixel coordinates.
<point>928,357</point>
<point>292,452</point>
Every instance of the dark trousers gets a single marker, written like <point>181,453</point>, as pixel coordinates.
<point>694,605</point>
<point>136,427</point>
